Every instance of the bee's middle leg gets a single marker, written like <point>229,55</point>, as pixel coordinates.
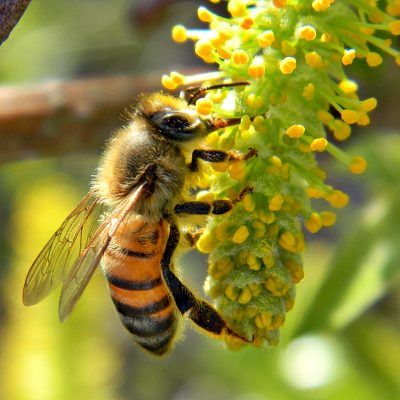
<point>217,207</point>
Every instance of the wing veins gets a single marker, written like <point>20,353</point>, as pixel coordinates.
<point>87,262</point>
<point>53,261</point>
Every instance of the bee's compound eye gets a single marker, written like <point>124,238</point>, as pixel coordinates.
<point>176,122</point>
<point>177,125</point>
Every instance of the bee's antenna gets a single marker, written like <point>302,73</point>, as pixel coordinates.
<point>192,94</point>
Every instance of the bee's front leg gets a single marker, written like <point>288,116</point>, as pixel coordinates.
<point>217,156</point>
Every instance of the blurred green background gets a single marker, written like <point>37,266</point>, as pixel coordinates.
<point>342,339</point>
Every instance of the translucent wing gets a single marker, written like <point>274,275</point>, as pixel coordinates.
<point>89,259</point>
<point>56,259</point>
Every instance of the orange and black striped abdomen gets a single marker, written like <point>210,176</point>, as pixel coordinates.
<point>132,264</point>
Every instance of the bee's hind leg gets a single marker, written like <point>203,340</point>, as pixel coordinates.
<point>199,311</point>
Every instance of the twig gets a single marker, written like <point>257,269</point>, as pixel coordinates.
<point>57,118</point>
<point>10,13</point>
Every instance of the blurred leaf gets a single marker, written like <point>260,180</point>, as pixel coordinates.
<point>381,367</point>
<point>366,261</point>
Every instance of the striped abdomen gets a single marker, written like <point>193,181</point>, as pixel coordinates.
<point>132,267</point>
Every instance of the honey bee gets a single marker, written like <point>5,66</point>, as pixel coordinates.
<point>140,182</point>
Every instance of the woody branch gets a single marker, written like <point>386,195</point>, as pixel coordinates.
<point>10,13</point>
<point>58,118</point>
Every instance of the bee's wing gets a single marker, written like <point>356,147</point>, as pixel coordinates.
<point>57,257</point>
<point>85,265</point>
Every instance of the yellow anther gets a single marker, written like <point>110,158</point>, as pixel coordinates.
<point>321,5</point>
<point>254,101</point>
<point>203,48</point>
<point>221,166</point>
<point>204,14</point>
<point>205,243</point>
<point>257,68</point>
<point>259,122</point>
<point>255,266</point>
<point>179,34</point>
<point>394,26</point>
<point>326,37</point>
<point>288,242</point>
<point>241,235</point>
<point>363,119</point>
<point>338,199</point>
<point>248,202</point>
<point>237,8</point>
<point>266,38</point>
<point>266,218</point>
<point>308,91</point>
<point>204,106</point>
<point>279,3</point>
<point>350,116</point>
<point>324,116</point>
<point>295,269</point>
<point>206,196</point>
<point>251,259</point>
<point>393,9</point>
<point>277,321</point>
<point>374,59</point>
<point>348,86</point>
<point>348,56</point>
<point>357,165</point>
<point>369,104</point>
<point>276,161</point>
<point>239,57</point>
<point>287,65</point>
<point>258,322</point>
<point>295,131</point>
<point>269,260</point>
<point>231,292</point>
<point>307,32</point>
<point>225,265</point>
<point>341,130</point>
<point>168,83</point>
<point>376,16</point>
<point>276,286</point>
<point>328,218</point>
<point>314,193</point>
<point>217,41</point>
<point>245,296</point>
<point>313,223</point>
<point>177,78</point>
<point>266,318</point>
<point>224,30</point>
<point>237,170</point>
<point>276,202</point>
<point>247,23</point>
<point>319,144</point>
<point>224,52</point>
<point>245,123</point>
<point>313,59</point>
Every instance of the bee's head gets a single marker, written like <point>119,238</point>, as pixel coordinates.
<point>172,117</point>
